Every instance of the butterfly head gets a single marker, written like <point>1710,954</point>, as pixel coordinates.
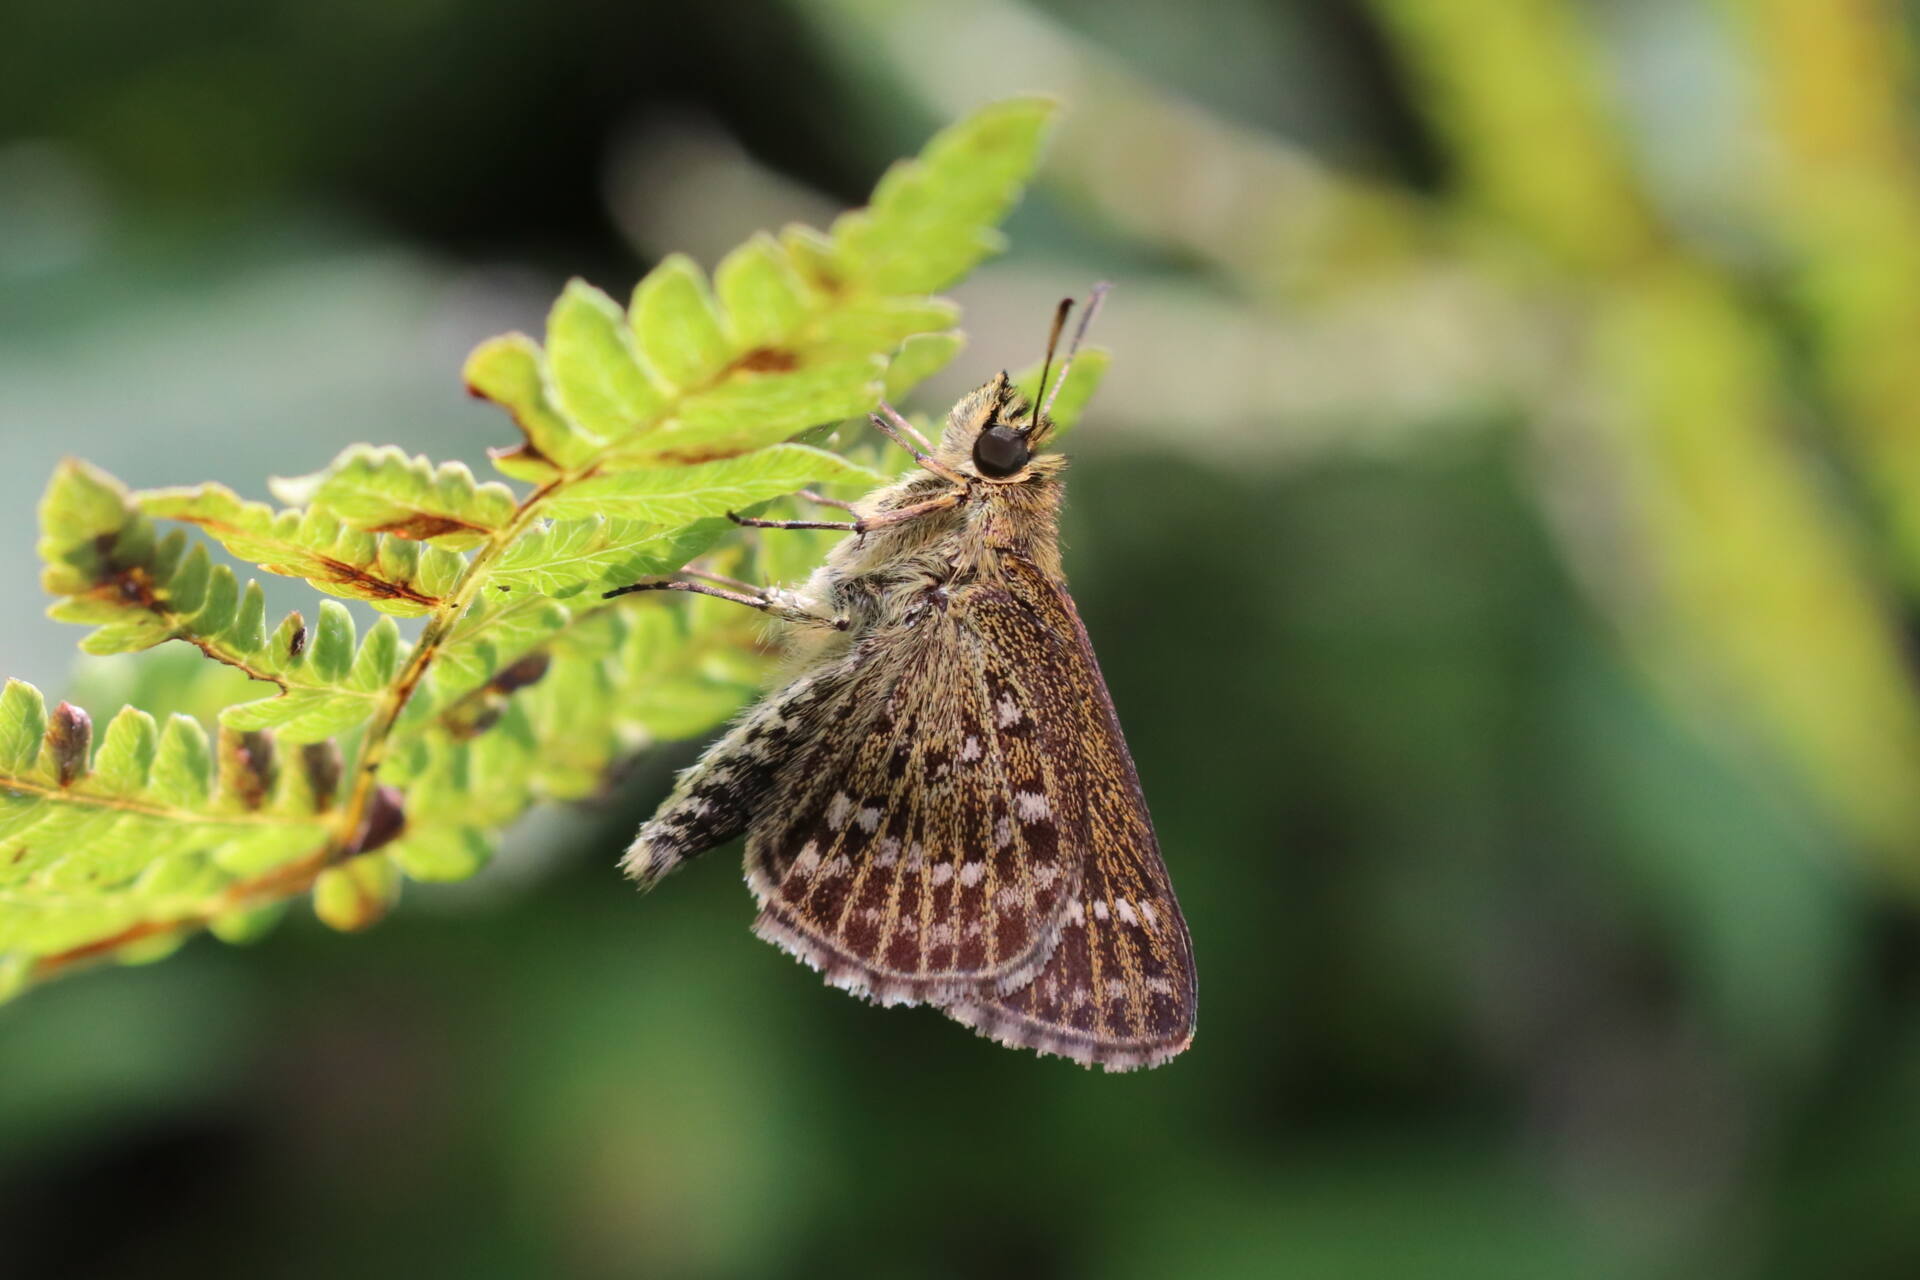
<point>994,433</point>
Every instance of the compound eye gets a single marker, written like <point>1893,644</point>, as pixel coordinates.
<point>999,452</point>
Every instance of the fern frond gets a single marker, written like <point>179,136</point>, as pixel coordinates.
<point>376,760</point>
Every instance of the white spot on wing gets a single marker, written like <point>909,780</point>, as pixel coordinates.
<point>1100,910</point>
<point>942,873</point>
<point>970,873</point>
<point>809,859</point>
<point>1124,910</point>
<point>837,810</point>
<point>970,750</point>
<point>1031,806</point>
<point>869,819</point>
<point>1009,714</point>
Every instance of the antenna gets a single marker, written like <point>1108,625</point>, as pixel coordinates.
<point>1095,297</point>
<point>1053,340</point>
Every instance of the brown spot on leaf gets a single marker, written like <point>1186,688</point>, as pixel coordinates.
<point>523,452</point>
<point>822,277</point>
<point>526,671</point>
<point>132,585</point>
<point>375,587</point>
<point>362,584</point>
<point>386,818</point>
<point>766,360</point>
<point>70,736</point>
<point>320,761</point>
<point>480,710</point>
<point>473,716</point>
<point>322,568</point>
<point>421,526</point>
<point>247,767</point>
<point>687,457</point>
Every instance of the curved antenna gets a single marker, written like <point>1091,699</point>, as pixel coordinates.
<point>1095,297</point>
<point>1053,340</point>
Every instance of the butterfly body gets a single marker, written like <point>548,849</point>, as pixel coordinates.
<point>938,803</point>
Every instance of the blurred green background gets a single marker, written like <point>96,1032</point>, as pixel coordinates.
<point>1500,529</point>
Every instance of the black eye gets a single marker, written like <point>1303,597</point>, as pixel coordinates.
<point>999,452</point>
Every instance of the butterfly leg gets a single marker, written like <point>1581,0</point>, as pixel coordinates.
<point>764,600</point>
<point>893,430</point>
<point>899,515</point>
<point>900,424</point>
<point>824,500</point>
<point>722,580</point>
<point>755,522</point>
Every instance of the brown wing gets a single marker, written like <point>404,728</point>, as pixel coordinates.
<point>1119,988</point>
<point>914,852</point>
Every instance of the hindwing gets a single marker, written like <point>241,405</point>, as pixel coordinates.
<point>1119,988</point>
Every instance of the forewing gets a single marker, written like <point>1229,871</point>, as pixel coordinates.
<point>1119,987</point>
<point>916,853</point>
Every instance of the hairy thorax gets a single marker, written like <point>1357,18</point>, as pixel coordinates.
<point>885,579</point>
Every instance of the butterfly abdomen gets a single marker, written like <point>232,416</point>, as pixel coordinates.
<point>716,799</point>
